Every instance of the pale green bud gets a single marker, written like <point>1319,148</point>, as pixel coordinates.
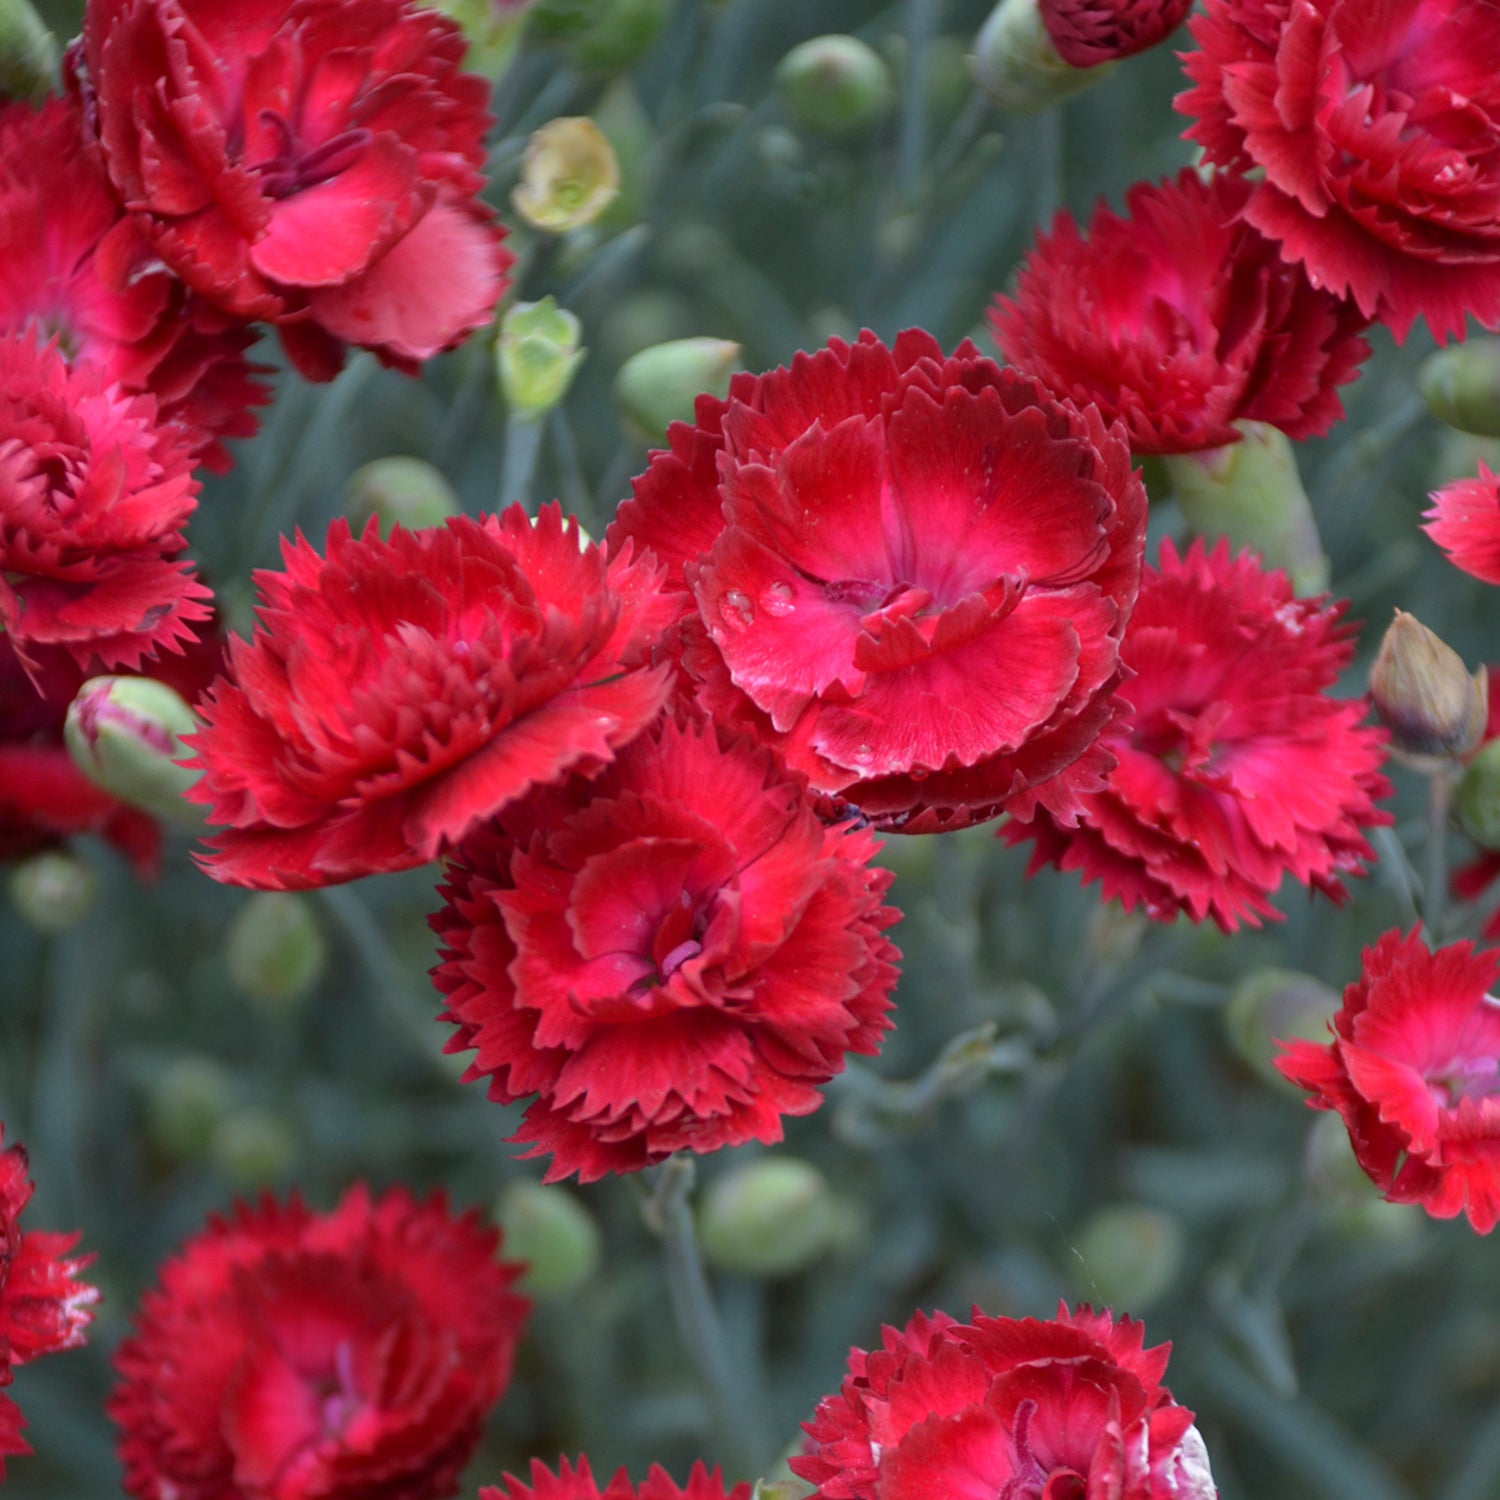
<point>1461,385</point>
<point>28,54</point>
<point>771,1217</point>
<point>660,385</point>
<point>1128,1255</point>
<point>569,175</point>
<point>536,355</point>
<point>1017,65</point>
<point>253,1149</point>
<point>53,890</point>
<point>1271,1005</point>
<point>274,950</point>
<point>1434,708</point>
<point>188,1100</point>
<point>1477,800</point>
<point>399,491</point>
<point>125,735</point>
<point>835,85</point>
<point>549,1229</point>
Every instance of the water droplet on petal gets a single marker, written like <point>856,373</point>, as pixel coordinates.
<point>736,610</point>
<point>863,754</point>
<point>778,600</point>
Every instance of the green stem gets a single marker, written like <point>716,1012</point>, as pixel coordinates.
<point>921,22</point>
<point>1435,874</point>
<point>523,443</point>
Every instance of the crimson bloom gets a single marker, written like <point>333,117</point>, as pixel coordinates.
<point>1465,522</point>
<point>399,692</point>
<point>1235,766</point>
<point>43,1307</point>
<point>1089,32</point>
<point>1180,320</point>
<point>671,957</point>
<point>1064,1409</point>
<point>1373,129</point>
<point>576,1482</point>
<point>306,161</point>
<point>285,1354</point>
<point>94,494</point>
<point>73,263</point>
<point>908,573</point>
<point>1414,1071</point>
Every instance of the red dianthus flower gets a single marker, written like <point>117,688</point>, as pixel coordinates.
<point>94,494</point>
<point>1414,1071</point>
<point>1089,32</point>
<point>309,162</point>
<point>1374,128</point>
<point>672,956</point>
<point>1465,522</point>
<point>1008,1408</point>
<point>77,266</point>
<point>1235,766</point>
<point>399,692</point>
<point>908,573</point>
<point>578,1483</point>
<point>286,1355</point>
<point>43,1308</point>
<point>1180,321</point>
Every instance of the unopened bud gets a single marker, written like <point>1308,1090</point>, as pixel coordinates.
<point>188,1100</point>
<point>125,735</point>
<point>770,1218</point>
<point>399,491</point>
<point>28,54</point>
<point>660,385</point>
<point>1271,1005</point>
<point>274,949</point>
<point>1476,803</point>
<point>536,355</point>
<point>253,1149</point>
<point>835,85</point>
<point>1434,708</point>
<point>492,29</point>
<point>1251,493</point>
<point>1128,1254</point>
<point>569,175</point>
<point>1461,385</point>
<point>620,33</point>
<point>549,1229</point>
<point>53,890</point>
<point>1017,65</point>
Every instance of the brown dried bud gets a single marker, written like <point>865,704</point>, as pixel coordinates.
<point>1434,708</point>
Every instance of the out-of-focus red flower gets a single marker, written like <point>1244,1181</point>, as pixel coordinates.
<point>1007,1407</point>
<point>399,692</point>
<point>75,265</point>
<point>94,493</point>
<point>671,957</point>
<point>285,1355</point>
<point>1465,522</point>
<point>1180,320</point>
<point>908,573</point>
<point>576,1482</point>
<point>1414,1072</point>
<point>1373,131</point>
<point>1089,32</point>
<point>43,1307</point>
<point>1235,765</point>
<point>303,161</point>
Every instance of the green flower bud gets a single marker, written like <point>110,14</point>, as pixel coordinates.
<point>53,890</point>
<point>1271,1005</point>
<point>660,385</point>
<point>253,1149</point>
<point>125,735</point>
<point>771,1217</point>
<point>1017,65</point>
<point>536,355</point>
<point>1423,693</point>
<point>399,491</point>
<point>28,54</point>
<point>492,31</point>
<point>621,33</point>
<point>187,1102</point>
<point>1128,1255</point>
<point>1461,385</point>
<point>1251,492</point>
<point>835,85</point>
<point>274,949</point>
<point>553,1233</point>
<point>1477,800</point>
<point>569,175</point>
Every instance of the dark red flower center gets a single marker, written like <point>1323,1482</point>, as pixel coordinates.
<point>295,168</point>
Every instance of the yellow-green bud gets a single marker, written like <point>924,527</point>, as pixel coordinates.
<point>1017,65</point>
<point>536,355</point>
<point>253,1149</point>
<point>1251,492</point>
<point>1271,1005</point>
<point>28,54</point>
<point>1434,708</point>
<point>274,949</point>
<point>399,491</point>
<point>53,890</point>
<point>492,31</point>
<point>771,1217</point>
<point>125,735</point>
<point>1476,803</point>
<point>1461,385</point>
<point>569,175</point>
<point>660,385</point>
<point>549,1229</point>
<point>188,1100</point>
<point>835,85</point>
<point>1128,1255</point>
